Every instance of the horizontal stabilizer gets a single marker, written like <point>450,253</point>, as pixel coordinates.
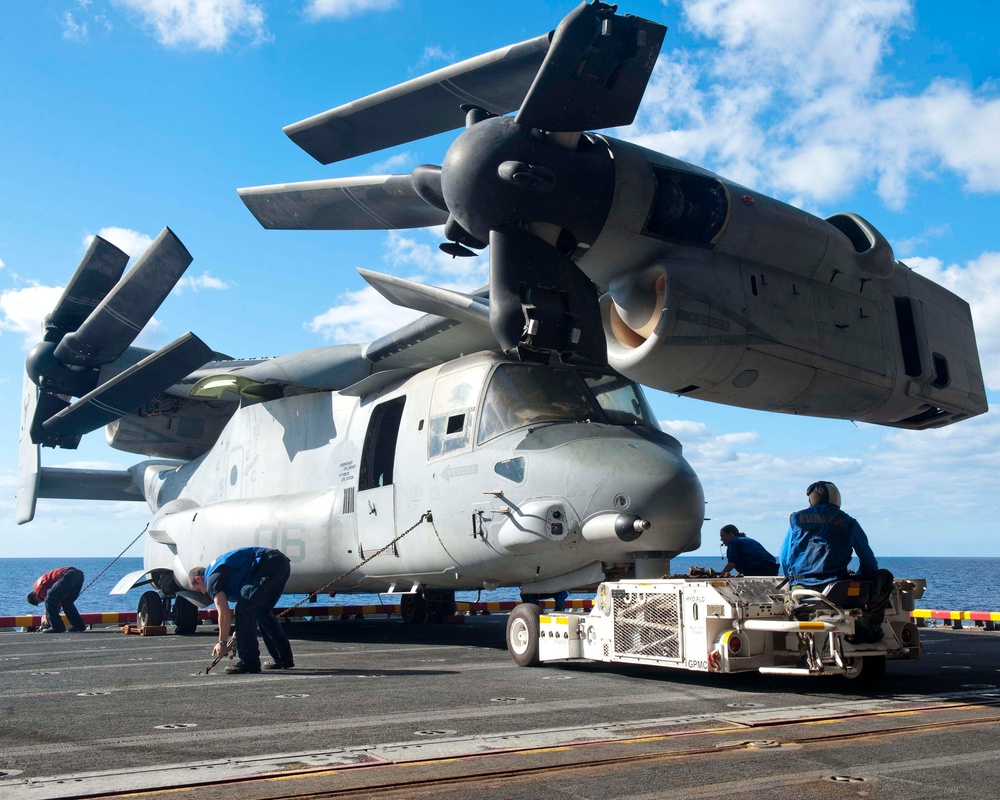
<point>445,303</point>
<point>128,390</point>
<point>431,104</point>
<point>87,484</point>
<point>374,202</point>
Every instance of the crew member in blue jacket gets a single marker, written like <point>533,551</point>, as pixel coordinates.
<point>818,548</point>
<point>747,556</point>
<point>254,577</point>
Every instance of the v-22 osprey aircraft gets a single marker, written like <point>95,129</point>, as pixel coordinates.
<point>506,427</point>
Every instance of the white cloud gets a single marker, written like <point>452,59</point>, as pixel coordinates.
<point>22,310</point>
<point>72,30</point>
<point>365,315</point>
<point>904,248</point>
<point>153,336</point>
<point>979,282</point>
<point>130,242</point>
<point>418,252</point>
<point>204,281</point>
<point>361,317</point>
<point>341,9</point>
<point>200,24</point>
<point>399,163</point>
<point>433,55</point>
<point>905,487</point>
<point>792,97</point>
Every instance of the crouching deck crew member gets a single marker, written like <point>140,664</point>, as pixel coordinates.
<point>253,577</point>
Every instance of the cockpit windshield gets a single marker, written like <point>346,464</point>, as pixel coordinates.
<point>527,394</point>
<point>620,399</point>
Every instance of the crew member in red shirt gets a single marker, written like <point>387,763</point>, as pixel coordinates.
<point>58,589</point>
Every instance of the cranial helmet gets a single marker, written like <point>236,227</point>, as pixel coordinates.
<point>823,492</point>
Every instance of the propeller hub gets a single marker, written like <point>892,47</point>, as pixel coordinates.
<point>52,375</point>
<point>499,174</point>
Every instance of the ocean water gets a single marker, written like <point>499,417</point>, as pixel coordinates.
<point>964,584</point>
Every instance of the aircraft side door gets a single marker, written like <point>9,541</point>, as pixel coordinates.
<point>376,503</point>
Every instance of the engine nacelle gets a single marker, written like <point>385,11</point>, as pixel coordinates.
<point>901,354</point>
<point>735,297</point>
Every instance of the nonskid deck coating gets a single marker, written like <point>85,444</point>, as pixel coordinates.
<point>100,712</point>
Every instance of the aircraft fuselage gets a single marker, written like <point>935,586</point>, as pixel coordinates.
<point>556,496</point>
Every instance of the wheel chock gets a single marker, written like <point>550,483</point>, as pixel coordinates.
<point>149,630</point>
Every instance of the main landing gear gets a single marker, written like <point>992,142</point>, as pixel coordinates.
<point>155,607</point>
<point>427,605</point>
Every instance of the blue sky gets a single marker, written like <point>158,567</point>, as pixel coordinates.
<point>121,116</point>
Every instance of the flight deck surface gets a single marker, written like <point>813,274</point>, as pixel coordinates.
<point>374,706</point>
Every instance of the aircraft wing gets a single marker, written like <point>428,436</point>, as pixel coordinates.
<point>428,341</point>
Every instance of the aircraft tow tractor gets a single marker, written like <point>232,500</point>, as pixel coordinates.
<point>722,625</point>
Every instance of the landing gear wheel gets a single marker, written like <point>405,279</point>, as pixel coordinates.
<point>523,634</point>
<point>413,608</point>
<point>150,611</point>
<point>440,604</point>
<point>185,617</point>
<point>864,674</point>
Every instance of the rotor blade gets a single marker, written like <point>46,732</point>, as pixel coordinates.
<point>424,106</point>
<point>358,204</point>
<point>595,72</point>
<point>127,391</point>
<point>120,317</point>
<point>27,456</point>
<point>100,269</point>
<point>446,303</point>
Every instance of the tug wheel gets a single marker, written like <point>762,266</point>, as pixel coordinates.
<point>150,611</point>
<point>523,633</point>
<point>864,674</point>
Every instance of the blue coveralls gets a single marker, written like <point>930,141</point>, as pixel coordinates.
<point>255,578</point>
<point>749,557</point>
<point>818,549</point>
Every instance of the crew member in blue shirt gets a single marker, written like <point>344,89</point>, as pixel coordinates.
<point>818,548</point>
<point>254,577</point>
<point>747,556</point>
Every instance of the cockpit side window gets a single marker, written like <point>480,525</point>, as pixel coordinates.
<point>453,411</point>
<point>621,400</point>
<point>525,394</point>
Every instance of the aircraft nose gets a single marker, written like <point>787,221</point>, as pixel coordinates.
<point>649,501</point>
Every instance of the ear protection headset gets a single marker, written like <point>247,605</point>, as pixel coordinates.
<point>825,491</point>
